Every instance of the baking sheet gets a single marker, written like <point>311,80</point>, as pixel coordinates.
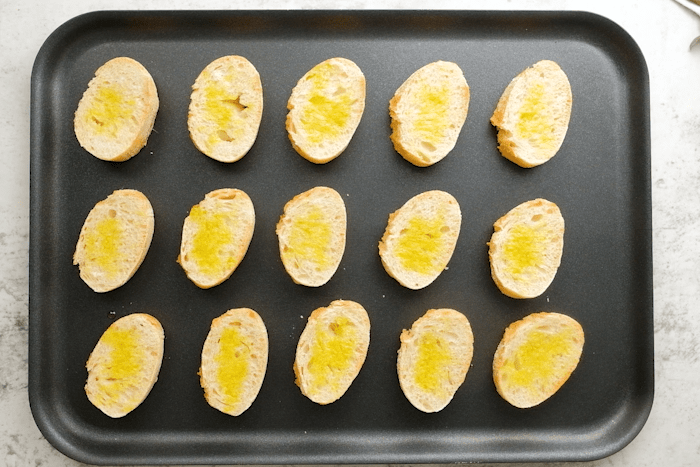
<point>600,179</point>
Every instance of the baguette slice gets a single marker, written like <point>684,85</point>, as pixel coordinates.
<point>428,112</point>
<point>331,350</point>
<point>216,236</point>
<point>434,358</point>
<point>420,238</point>
<point>234,360</point>
<point>325,108</point>
<point>526,248</point>
<point>116,114</point>
<point>532,115</point>
<point>311,235</point>
<point>536,357</point>
<point>114,240</point>
<point>226,107</point>
<point>124,365</point>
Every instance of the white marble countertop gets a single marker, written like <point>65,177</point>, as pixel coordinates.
<point>663,30</point>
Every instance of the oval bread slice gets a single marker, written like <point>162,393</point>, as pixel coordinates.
<point>114,240</point>
<point>532,115</point>
<point>234,360</point>
<point>116,114</point>
<point>428,111</point>
<point>216,236</point>
<point>536,357</point>
<point>526,248</point>
<point>311,235</point>
<point>226,107</point>
<point>331,350</point>
<point>420,238</point>
<point>434,358</point>
<point>124,365</point>
<point>325,108</point>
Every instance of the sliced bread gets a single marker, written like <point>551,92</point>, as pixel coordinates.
<point>124,365</point>
<point>116,114</point>
<point>311,235</point>
<point>226,108</point>
<point>532,115</point>
<point>434,358</point>
<point>331,350</point>
<point>114,240</point>
<point>526,248</point>
<point>234,360</point>
<point>420,238</point>
<point>325,108</point>
<point>216,236</point>
<point>535,357</point>
<point>428,111</point>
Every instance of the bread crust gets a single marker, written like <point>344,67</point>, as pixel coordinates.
<point>536,356</point>
<point>325,109</point>
<point>434,358</point>
<point>226,108</point>
<point>114,240</point>
<point>116,113</point>
<point>532,116</point>
<point>235,348</point>
<point>331,350</point>
<point>136,340</point>
<point>526,248</point>
<point>428,111</point>
<point>420,238</point>
<point>216,235</point>
<point>311,234</point>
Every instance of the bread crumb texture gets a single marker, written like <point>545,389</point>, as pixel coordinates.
<point>216,236</point>
<point>124,364</point>
<point>428,112</point>
<point>532,115</point>
<point>226,108</point>
<point>536,357</point>
<point>116,113</point>
<point>420,238</point>
<point>434,358</point>
<point>526,248</point>
<point>311,234</point>
<point>234,360</point>
<point>332,350</point>
<point>114,240</point>
<point>325,108</point>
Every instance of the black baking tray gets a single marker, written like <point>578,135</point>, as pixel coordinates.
<point>600,179</point>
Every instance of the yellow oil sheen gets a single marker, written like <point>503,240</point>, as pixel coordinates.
<point>523,250</point>
<point>325,117</point>
<point>102,244</point>
<point>232,361</point>
<point>212,234</point>
<point>535,360</point>
<point>535,122</point>
<point>421,245</point>
<point>433,359</point>
<point>331,354</point>
<point>221,109</point>
<point>433,117</point>
<point>108,109</point>
<point>311,237</point>
<point>123,366</point>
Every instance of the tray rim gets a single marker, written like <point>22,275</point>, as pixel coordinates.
<point>63,443</point>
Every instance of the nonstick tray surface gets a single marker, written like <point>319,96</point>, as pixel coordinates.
<point>600,179</point>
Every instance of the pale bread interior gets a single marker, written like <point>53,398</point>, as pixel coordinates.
<point>117,111</point>
<point>428,111</point>
<point>434,358</point>
<point>135,340</point>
